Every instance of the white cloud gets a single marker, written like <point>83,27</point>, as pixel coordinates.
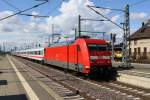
<point>15,30</point>
<point>34,18</point>
<point>68,18</point>
<point>5,13</point>
<point>138,16</point>
<point>34,29</point>
<point>115,18</point>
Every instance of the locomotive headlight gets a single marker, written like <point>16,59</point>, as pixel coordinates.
<point>87,67</point>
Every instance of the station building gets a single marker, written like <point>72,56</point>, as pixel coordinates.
<point>140,44</point>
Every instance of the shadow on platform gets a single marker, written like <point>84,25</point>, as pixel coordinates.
<point>14,97</point>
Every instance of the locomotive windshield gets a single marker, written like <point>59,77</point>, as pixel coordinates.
<point>97,47</point>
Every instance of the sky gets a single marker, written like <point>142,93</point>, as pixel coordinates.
<point>26,31</point>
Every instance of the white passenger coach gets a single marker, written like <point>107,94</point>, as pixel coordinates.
<point>35,54</point>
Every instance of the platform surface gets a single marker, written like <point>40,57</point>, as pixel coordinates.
<point>138,69</point>
<point>18,83</point>
<point>10,86</point>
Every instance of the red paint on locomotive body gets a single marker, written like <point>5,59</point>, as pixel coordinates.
<point>81,55</point>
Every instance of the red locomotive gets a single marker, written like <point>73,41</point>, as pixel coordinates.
<point>84,55</point>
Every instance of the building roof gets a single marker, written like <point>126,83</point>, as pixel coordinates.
<point>142,33</point>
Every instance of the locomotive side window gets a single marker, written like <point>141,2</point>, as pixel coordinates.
<point>36,52</point>
<point>97,47</point>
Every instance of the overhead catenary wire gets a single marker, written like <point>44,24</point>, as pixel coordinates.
<point>54,8</point>
<point>35,6</point>
<point>35,15</point>
<point>104,17</point>
<point>24,14</point>
<point>107,8</point>
<point>11,5</point>
<point>42,16</point>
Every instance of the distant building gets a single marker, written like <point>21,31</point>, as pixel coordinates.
<point>140,43</point>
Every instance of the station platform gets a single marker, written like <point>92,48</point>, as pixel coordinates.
<point>136,66</point>
<point>17,82</point>
<point>10,86</point>
<point>141,70</point>
<point>139,75</point>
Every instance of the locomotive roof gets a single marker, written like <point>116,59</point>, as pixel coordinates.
<point>62,43</point>
<point>95,41</point>
<point>88,40</point>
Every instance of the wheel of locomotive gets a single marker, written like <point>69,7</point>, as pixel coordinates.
<point>113,74</point>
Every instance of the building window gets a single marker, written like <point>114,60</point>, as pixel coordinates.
<point>139,50</point>
<point>130,51</point>
<point>135,53</point>
<point>145,49</point>
<point>145,53</point>
<point>135,50</point>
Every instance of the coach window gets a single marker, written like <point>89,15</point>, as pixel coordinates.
<point>36,52</point>
<point>41,52</point>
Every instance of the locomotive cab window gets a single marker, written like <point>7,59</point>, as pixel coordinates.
<point>97,47</point>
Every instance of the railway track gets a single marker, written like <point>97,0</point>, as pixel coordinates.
<point>57,90</point>
<point>91,89</point>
